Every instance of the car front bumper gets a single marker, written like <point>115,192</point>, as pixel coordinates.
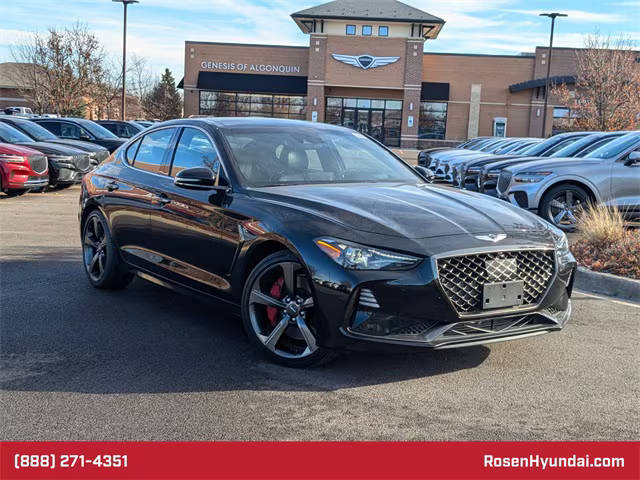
<point>411,308</point>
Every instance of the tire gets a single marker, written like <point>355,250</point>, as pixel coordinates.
<point>16,192</point>
<point>562,204</point>
<point>100,257</point>
<point>278,325</point>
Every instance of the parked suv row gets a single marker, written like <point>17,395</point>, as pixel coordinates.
<point>569,171</point>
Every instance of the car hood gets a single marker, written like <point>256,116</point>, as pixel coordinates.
<point>490,159</point>
<point>50,148</point>
<point>507,162</point>
<point>552,163</point>
<point>79,144</point>
<point>401,210</point>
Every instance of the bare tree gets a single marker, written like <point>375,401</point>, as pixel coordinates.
<point>139,77</point>
<point>61,69</point>
<point>606,96</point>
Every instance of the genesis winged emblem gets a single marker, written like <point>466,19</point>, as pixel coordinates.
<point>365,61</point>
<point>492,237</point>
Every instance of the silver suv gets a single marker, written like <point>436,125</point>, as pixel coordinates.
<point>558,189</point>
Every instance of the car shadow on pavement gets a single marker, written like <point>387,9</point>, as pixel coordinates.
<point>58,334</point>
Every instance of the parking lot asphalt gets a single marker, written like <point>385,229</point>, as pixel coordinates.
<point>149,364</point>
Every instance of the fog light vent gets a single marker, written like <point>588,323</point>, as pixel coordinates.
<point>368,299</point>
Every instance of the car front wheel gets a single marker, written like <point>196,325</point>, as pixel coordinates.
<point>278,312</point>
<point>563,205</point>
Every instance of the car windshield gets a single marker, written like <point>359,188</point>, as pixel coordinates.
<point>539,148</point>
<point>95,129</point>
<point>35,131</point>
<point>616,147</point>
<point>269,156</point>
<point>9,134</point>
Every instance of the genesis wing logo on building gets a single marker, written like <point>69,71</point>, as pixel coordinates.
<point>365,61</point>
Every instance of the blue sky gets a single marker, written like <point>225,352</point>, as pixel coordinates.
<point>158,28</point>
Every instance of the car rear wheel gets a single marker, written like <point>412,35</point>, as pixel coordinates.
<point>278,312</point>
<point>563,205</point>
<point>102,263</point>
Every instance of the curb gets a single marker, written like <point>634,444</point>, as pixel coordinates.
<point>607,284</point>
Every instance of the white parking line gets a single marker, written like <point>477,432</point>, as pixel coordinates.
<point>609,299</point>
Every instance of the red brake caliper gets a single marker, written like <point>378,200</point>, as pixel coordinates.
<point>275,292</point>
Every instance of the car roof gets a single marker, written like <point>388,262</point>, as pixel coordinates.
<point>229,122</point>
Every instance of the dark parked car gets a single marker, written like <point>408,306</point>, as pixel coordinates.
<point>81,129</point>
<point>121,129</point>
<point>323,237</point>
<point>145,123</point>
<point>21,169</point>
<point>96,153</point>
<point>66,164</point>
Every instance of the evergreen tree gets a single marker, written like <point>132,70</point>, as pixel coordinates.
<point>163,102</point>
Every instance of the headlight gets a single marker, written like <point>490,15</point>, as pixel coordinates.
<point>531,177</point>
<point>560,240</point>
<point>8,158</point>
<point>359,257</point>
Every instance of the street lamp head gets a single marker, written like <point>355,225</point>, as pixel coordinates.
<point>550,15</point>
<point>126,2</point>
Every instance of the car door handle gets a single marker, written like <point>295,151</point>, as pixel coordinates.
<point>162,199</point>
<point>111,186</point>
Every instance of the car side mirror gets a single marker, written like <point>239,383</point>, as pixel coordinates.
<point>426,173</point>
<point>201,178</point>
<point>633,160</point>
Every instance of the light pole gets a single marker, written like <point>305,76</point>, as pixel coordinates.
<point>125,3</point>
<point>552,16</point>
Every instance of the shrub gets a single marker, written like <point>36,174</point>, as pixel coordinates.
<point>604,245</point>
<point>600,225</point>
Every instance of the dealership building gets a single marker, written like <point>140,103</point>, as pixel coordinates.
<point>366,68</point>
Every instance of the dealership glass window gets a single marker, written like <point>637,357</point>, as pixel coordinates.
<point>383,31</point>
<point>351,29</point>
<point>433,120</point>
<point>562,120</point>
<point>366,30</point>
<point>225,104</point>
<point>382,119</point>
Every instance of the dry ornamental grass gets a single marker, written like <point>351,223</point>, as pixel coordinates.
<point>604,245</point>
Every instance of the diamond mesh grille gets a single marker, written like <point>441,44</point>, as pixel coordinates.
<point>504,181</point>
<point>463,277</point>
<point>38,163</point>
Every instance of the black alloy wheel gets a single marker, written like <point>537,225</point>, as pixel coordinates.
<point>278,312</point>
<point>563,205</point>
<point>100,256</point>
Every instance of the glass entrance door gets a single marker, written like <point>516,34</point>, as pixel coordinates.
<point>363,117</point>
<point>378,118</point>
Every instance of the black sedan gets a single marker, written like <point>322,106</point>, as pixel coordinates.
<point>323,237</point>
<point>81,129</point>
<point>66,164</point>
<point>34,131</point>
<point>121,129</point>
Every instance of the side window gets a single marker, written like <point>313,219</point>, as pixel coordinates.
<point>53,127</point>
<point>131,152</point>
<point>194,150</point>
<point>594,146</point>
<point>152,150</point>
<point>130,131</point>
<point>69,130</point>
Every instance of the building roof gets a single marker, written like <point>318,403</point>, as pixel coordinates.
<point>540,82</point>
<point>387,10</point>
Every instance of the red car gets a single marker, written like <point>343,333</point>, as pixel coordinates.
<point>22,169</point>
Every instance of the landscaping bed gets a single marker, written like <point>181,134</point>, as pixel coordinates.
<point>603,244</point>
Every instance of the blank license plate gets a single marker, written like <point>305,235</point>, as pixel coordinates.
<point>502,294</point>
